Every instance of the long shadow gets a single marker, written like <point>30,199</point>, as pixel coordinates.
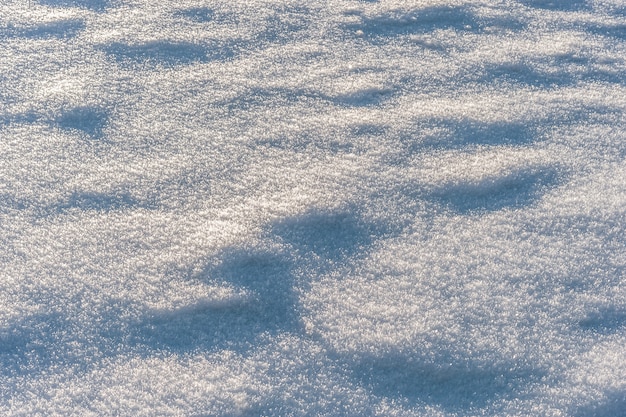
<point>526,75</point>
<point>615,30</point>
<point>450,383</point>
<point>558,5</point>
<point>89,120</point>
<point>257,98</point>
<point>513,190</point>
<point>93,202</point>
<point>24,344</point>
<point>268,306</point>
<point>363,98</point>
<point>330,235</point>
<point>460,134</point>
<point>62,29</point>
<point>269,281</point>
<point>9,203</point>
<point>165,54</point>
<point>562,76</point>
<point>102,202</point>
<point>197,14</point>
<point>93,5</point>
<point>20,118</point>
<point>429,19</point>
<point>261,97</point>
<point>286,24</point>
<point>614,405</point>
<point>436,133</point>
<point>416,22</point>
<point>606,320</point>
<point>35,343</point>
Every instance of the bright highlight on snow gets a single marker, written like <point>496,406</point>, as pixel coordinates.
<point>341,208</point>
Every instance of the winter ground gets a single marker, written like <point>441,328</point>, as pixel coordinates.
<point>281,207</point>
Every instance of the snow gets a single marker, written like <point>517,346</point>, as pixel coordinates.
<point>277,207</point>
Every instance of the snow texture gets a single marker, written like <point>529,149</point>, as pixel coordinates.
<point>342,208</point>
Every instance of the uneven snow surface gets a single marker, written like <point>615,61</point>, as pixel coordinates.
<point>307,207</point>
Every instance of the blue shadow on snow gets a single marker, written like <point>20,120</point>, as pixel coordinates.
<point>268,278</point>
<point>89,120</point>
<point>60,29</point>
<point>285,24</point>
<point>558,5</point>
<point>514,190</point>
<point>416,22</point>
<point>35,343</point>
<point>164,53</point>
<point>524,74</point>
<point>94,5</point>
<point>450,383</point>
<point>466,133</point>
<point>97,202</point>
<point>197,14</point>
<point>613,405</point>
<point>617,31</point>
<point>605,320</point>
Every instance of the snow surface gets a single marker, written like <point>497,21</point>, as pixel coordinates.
<point>340,207</point>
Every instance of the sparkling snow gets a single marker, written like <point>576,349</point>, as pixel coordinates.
<point>281,207</point>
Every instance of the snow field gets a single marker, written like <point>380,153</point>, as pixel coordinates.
<point>312,208</point>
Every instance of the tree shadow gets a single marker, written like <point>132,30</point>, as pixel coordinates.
<point>513,190</point>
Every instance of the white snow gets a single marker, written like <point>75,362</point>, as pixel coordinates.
<point>280,207</point>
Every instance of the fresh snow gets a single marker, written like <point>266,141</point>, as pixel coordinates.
<point>342,208</point>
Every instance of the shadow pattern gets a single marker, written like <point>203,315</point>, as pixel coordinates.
<point>164,54</point>
<point>416,22</point>
<point>471,132</point>
<point>97,202</point>
<point>270,280</point>
<point>449,382</point>
<point>61,29</point>
<point>197,14</point>
<point>512,191</point>
<point>614,405</point>
<point>558,5</point>
<point>605,320</point>
<point>89,120</point>
<point>93,5</point>
<point>286,24</point>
